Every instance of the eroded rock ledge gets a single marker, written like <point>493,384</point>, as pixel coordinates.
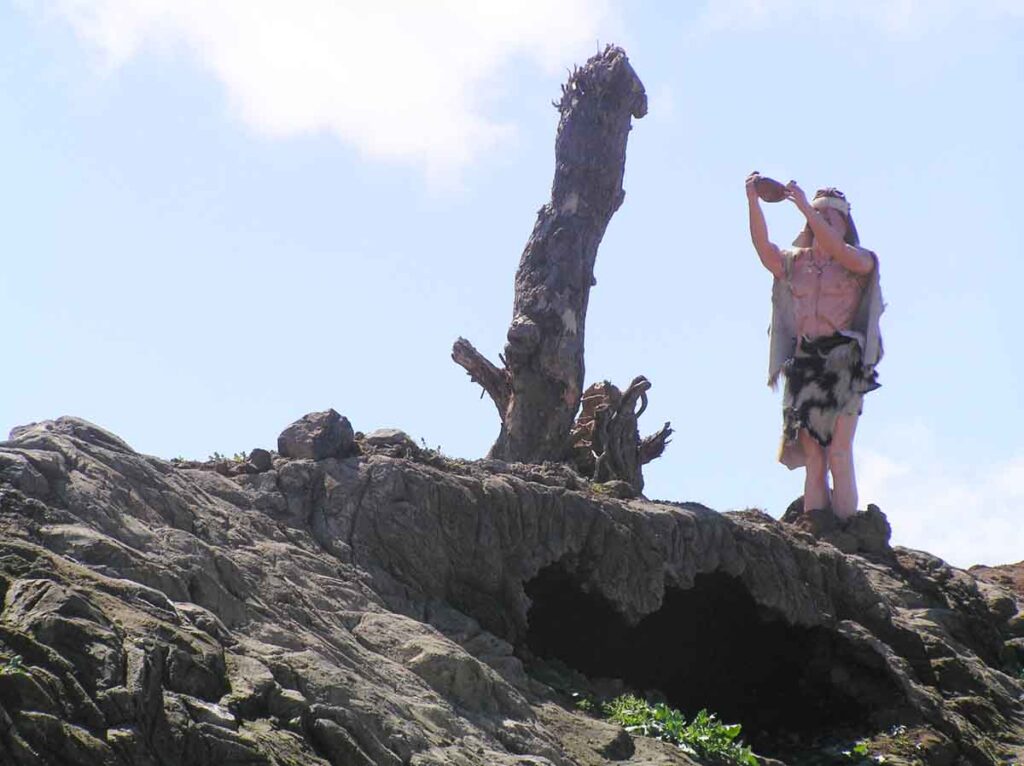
<point>385,608</point>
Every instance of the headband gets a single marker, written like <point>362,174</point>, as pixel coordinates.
<point>836,203</point>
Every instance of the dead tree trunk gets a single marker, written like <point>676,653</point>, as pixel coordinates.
<point>538,390</point>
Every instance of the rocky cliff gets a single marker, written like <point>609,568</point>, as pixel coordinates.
<point>351,599</point>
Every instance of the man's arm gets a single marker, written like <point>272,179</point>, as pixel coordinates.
<point>769,254</point>
<point>856,259</point>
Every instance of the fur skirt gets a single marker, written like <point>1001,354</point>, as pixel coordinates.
<point>824,379</point>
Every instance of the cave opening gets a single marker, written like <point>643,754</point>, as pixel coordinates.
<point>711,646</point>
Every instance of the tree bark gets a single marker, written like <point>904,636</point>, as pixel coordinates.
<point>537,393</point>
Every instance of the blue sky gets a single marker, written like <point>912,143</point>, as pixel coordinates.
<point>218,216</point>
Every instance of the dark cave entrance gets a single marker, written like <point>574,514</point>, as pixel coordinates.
<point>712,647</point>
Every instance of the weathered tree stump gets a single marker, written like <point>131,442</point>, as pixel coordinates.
<point>537,391</point>
<point>606,442</point>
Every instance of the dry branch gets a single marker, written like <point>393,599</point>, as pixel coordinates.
<point>495,380</point>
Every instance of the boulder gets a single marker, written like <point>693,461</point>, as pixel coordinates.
<point>261,460</point>
<point>390,437</point>
<point>316,436</point>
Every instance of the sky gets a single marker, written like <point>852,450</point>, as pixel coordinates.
<point>219,215</point>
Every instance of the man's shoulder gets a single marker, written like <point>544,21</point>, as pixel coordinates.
<point>868,254</point>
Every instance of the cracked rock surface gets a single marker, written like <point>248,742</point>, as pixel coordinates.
<point>394,607</point>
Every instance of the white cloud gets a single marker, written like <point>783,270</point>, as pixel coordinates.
<point>966,514</point>
<point>897,18</point>
<point>402,80</point>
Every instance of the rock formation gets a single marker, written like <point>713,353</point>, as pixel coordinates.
<point>397,607</point>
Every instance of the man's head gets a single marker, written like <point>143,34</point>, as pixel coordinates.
<point>834,208</point>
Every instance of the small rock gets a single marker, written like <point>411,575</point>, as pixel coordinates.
<point>287,704</point>
<point>390,437</point>
<point>1016,625</point>
<point>793,511</point>
<point>261,460</point>
<point>316,436</point>
<point>208,712</point>
<point>864,532</point>
<point>871,529</point>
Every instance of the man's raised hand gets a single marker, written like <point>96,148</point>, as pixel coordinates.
<point>751,186</point>
<point>797,195</point>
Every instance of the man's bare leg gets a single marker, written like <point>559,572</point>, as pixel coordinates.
<point>840,462</point>
<point>816,480</point>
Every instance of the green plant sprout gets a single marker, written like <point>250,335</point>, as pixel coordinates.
<point>705,736</point>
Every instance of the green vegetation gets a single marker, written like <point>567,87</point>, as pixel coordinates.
<point>705,736</point>
<point>899,742</point>
<point>861,753</point>
<point>12,665</point>
<point>584,703</point>
<point>238,457</point>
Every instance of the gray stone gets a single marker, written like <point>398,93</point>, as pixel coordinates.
<point>61,742</point>
<point>116,704</point>
<point>377,610</point>
<point>339,744</point>
<point>17,470</point>
<point>287,703</point>
<point>208,712</point>
<point>1015,625</point>
<point>77,428</point>
<point>316,436</point>
<point>261,460</point>
<point>387,437</point>
<point>871,530</point>
<point>392,438</point>
<point>864,532</point>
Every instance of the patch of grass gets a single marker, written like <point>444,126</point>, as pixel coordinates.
<point>898,742</point>
<point>860,752</point>
<point>705,736</point>
<point>12,665</point>
<point>584,703</point>
<point>218,457</point>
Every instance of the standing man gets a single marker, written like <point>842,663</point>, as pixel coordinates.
<point>825,340</point>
